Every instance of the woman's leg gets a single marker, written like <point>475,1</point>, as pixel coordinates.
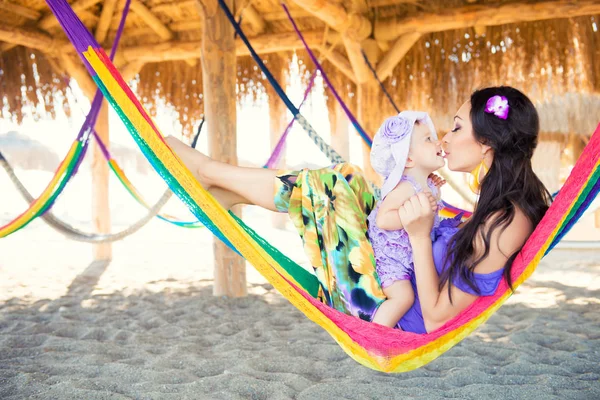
<point>229,184</point>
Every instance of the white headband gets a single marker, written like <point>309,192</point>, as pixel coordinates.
<point>391,144</point>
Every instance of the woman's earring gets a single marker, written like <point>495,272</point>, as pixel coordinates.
<point>476,178</point>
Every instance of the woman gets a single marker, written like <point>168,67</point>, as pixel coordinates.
<point>494,137</point>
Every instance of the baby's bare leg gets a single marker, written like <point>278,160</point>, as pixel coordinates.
<point>400,297</point>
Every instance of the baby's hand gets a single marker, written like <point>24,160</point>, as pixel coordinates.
<point>437,181</point>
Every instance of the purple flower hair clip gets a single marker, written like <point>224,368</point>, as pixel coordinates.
<point>497,105</point>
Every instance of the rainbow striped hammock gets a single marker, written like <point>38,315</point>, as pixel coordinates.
<point>372,345</point>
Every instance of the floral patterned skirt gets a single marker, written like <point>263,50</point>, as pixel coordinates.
<point>329,208</point>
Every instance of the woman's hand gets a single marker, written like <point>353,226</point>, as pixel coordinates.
<point>417,215</point>
<point>437,180</point>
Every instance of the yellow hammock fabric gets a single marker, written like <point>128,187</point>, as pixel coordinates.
<point>372,345</point>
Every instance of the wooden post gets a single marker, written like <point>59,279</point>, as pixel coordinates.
<point>546,163</point>
<point>100,203</point>
<point>369,99</point>
<point>339,131</point>
<point>277,122</point>
<point>219,79</point>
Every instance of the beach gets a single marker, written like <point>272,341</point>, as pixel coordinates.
<point>146,326</point>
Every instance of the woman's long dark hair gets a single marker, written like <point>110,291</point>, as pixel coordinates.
<point>509,184</point>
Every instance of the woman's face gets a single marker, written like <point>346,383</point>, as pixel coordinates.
<point>462,151</point>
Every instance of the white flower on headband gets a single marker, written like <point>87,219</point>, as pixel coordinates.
<point>395,129</point>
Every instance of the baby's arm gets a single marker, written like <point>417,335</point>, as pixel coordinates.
<point>387,217</point>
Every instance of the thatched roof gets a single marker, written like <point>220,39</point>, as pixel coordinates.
<point>458,45</point>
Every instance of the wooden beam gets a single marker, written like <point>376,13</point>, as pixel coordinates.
<point>252,16</point>
<point>276,42</point>
<point>165,7</point>
<point>488,14</point>
<point>480,30</point>
<point>192,62</point>
<point>354,49</point>
<point>281,15</point>
<point>396,54</point>
<point>108,9</point>
<point>151,20</point>
<point>219,82</point>
<point>383,45</point>
<point>4,47</point>
<point>355,26</point>
<point>360,6</point>
<point>186,25</point>
<point>178,50</point>
<point>76,70</point>
<point>19,10</point>
<point>166,51</point>
<point>383,3</point>
<point>31,38</point>
<point>339,61</point>
<point>50,20</point>
<point>130,70</point>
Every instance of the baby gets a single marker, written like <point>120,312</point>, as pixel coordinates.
<point>405,151</point>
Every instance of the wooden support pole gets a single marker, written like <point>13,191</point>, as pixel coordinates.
<point>277,123</point>
<point>108,9</point>
<point>340,124</point>
<point>546,163</point>
<point>369,98</point>
<point>100,195</point>
<point>100,188</point>
<point>219,79</point>
<point>151,20</point>
<point>402,45</point>
<point>486,14</point>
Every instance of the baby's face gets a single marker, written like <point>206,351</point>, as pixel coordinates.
<point>425,150</point>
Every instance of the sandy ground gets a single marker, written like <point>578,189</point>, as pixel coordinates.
<point>146,326</point>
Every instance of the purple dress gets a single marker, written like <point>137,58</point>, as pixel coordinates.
<point>487,284</point>
<point>393,253</point>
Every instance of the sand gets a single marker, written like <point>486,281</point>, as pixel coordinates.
<point>146,326</point>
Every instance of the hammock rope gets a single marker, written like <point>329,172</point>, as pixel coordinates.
<point>372,345</point>
<point>74,233</point>
<point>329,152</point>
<point>70,164</point>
